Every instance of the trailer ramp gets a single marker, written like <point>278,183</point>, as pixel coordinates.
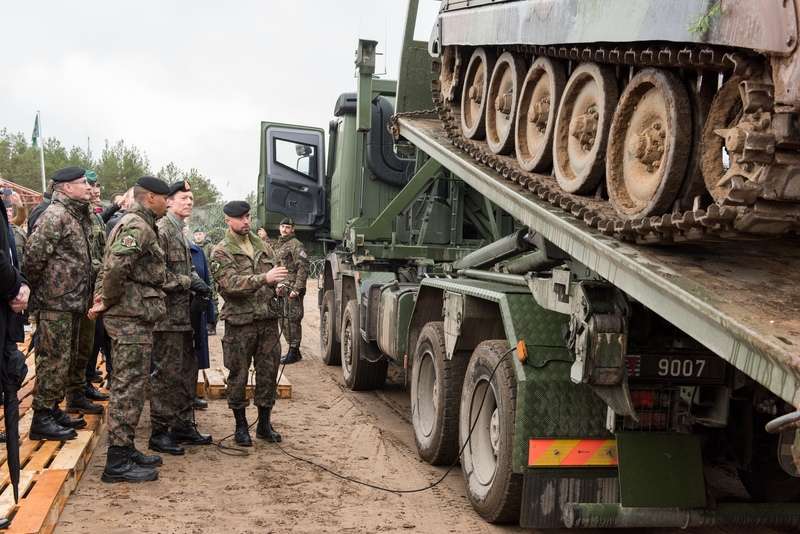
<point>741,299</point>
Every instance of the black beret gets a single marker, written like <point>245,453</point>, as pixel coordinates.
<point>177,187</point>
<point>153,184</point>
<point>236,208</point>
<point>287,220</point>
<point>68,174</point>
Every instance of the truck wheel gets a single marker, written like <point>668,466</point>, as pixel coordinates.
<point>493,488</point>
<point>331,350</point>
<point>363,367</point>
<point>435,396</point>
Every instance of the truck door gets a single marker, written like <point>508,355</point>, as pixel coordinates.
<point>292,174</point>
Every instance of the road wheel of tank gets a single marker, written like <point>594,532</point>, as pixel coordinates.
<point>725,112</point>
<point>363,368</point>
<point>536,115</point>
<point>649,144</point>
<point>436,396</point>
<point>473,93</point>
<point>501,106</point>
<point>450,74</point>
<point>492,487</point>
<point>331,350</point>
<point>582,124</point>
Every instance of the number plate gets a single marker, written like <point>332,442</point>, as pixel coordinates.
<point>676,368</point>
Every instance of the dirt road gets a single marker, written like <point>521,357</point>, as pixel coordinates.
<point>364,435</point>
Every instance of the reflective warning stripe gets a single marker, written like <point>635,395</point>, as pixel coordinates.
<point>572,452</point>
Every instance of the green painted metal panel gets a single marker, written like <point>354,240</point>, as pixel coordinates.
<point>660,470</point>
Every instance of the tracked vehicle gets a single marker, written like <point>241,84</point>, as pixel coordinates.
<point>579,379</point>
<point>651,122</point>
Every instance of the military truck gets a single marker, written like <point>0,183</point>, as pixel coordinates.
<point>580,378</point>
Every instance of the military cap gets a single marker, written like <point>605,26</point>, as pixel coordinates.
<point>287,220</point>
<point>91,176</point>
<point>180,185</point>
<point>153,184</point>
<point>236,208</point>
<point>68,174</point>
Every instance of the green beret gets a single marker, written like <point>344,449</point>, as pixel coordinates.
<point>91,177</point>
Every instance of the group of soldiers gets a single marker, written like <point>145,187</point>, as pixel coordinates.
<point>141,282</point>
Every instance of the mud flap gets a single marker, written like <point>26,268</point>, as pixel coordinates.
<point>660,470</point>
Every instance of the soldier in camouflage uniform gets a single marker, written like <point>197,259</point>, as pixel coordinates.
<point>129,295</point>
<point>174,376</point>
<point>291,254</point>
<point>77,402</point>
<point>58,266</point>
<point>245,271</point>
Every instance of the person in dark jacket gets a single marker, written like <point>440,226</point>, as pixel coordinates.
<point>202,314</point>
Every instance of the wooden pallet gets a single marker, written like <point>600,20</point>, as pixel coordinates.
<point>50,469</point>
<point>213,384</point>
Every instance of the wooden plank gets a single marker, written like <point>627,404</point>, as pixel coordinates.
<point>73,453</point>
<point>41,458</point>
<point>26,450</point>
<point>200,389</point>
<point>284,387</point>
<point>39,511</point>
<point>7,504</point>
<point>216,383</point>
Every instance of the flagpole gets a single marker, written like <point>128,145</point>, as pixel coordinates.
<point>41,152</point>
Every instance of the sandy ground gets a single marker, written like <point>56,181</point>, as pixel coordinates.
<point>364,435</point>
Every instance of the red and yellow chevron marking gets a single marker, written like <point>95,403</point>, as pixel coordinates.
<point>572,452</point>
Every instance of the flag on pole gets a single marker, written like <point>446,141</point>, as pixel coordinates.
<point>36,135</point>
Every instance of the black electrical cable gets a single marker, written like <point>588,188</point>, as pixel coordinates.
<point>414,490</point>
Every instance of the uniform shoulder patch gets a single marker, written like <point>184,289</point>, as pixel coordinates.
<point>128,241</point>
<point>302,254</point>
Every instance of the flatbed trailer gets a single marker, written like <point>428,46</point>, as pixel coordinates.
<point>739,298</point>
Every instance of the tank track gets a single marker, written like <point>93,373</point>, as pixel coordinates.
<point>702,223</point>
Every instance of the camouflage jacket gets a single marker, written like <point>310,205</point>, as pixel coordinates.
<point>58,263</point>
<point>134,269</point>
<point>20,238</point>
<point>290,253</point>
<point>178,275</point>
<point>97,244</point>
<point>242,280</point>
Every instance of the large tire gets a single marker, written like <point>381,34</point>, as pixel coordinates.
<point>330,349</point>
<point>493,488</point>
<point>363,368</point>
<point>435,396</point>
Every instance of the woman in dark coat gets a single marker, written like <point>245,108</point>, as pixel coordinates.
<point>201,315</point>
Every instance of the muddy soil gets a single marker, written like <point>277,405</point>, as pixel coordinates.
<point>363,435</point>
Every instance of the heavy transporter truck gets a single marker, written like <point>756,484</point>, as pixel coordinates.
<point>587,365</point>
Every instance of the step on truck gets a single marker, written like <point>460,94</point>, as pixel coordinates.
<point>587,368</point>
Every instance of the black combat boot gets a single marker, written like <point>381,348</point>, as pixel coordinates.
<point>292,356</point>
<point>264,429</point>
<point>242,433</point>
<point>44,426</point>
<point>200,404</point>
<point>162,441</point>
<point>120,467</point>
<point>78,403</point>
<point>186,432</point>
<point>92,393</point>
<point>147,460</point>
<point>66,421</point>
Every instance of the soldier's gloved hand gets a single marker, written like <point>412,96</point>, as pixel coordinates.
<point>276,274</point>
<point>198,287</point>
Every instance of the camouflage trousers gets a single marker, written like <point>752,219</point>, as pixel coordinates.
<point>173,381</point>
<point>132,343</point>
<point>56,346</point>
<point>257,343</point>
<point>76,378</point>
<point>291,324</point>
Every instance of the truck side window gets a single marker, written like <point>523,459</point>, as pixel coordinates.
<point>298,157</point>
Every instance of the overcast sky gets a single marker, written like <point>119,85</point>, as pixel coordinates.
<point>187,81</point>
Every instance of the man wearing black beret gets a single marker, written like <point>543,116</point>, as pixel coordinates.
<point>58,265</point>
<point>174,377</point>
<point>129,294</point>
<point>245,271</point>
